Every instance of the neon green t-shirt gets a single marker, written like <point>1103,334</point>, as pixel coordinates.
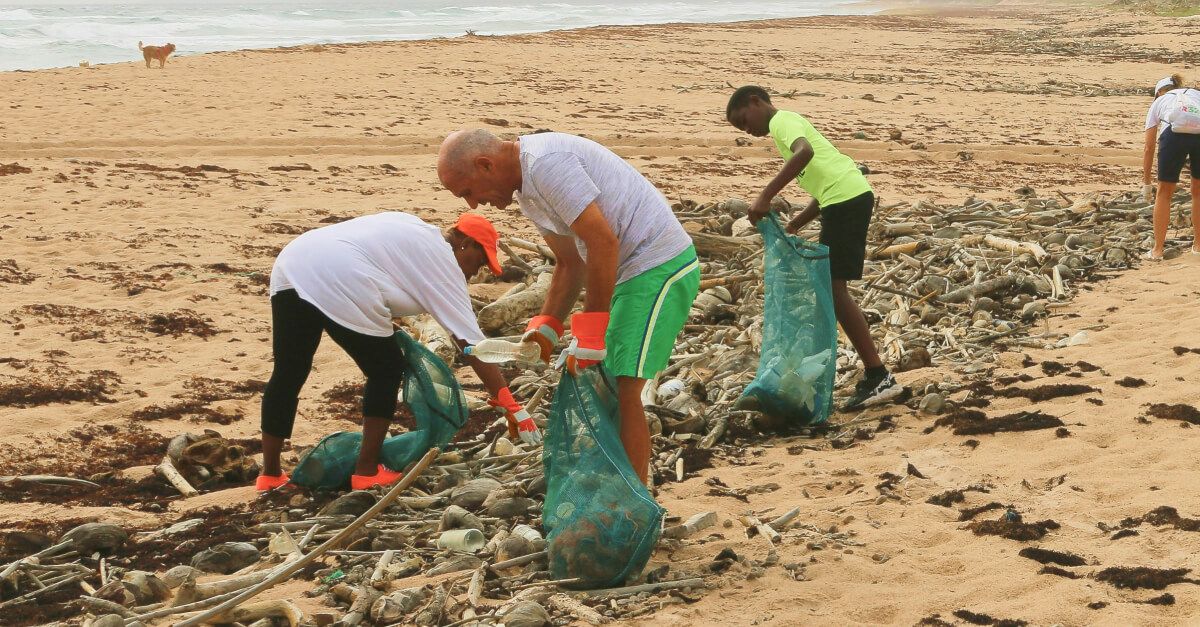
<point>831,177</point>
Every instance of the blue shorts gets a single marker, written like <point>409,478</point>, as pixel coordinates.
<point>1173,149</point>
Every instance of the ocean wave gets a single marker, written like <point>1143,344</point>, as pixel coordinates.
<point>16,14</point>
<point>59,33</point>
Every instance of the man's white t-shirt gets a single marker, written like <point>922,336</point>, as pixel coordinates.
<point>562,174</point>
<point>361,273</point>
<point>1164,103</point>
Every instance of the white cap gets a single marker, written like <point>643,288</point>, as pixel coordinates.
<point>1166,82</point>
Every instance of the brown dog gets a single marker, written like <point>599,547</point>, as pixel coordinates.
<point>156,52</point>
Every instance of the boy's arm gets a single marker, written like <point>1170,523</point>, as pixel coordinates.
<point>804,217</point>
<point>802,153</point>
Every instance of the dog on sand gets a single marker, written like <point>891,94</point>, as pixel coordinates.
<point>156,52</point>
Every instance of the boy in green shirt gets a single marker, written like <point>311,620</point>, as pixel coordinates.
<point>843,200</point>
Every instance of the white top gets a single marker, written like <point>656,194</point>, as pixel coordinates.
<point>562,174</point>
<point>1164,103</point>
<point>366,271</point>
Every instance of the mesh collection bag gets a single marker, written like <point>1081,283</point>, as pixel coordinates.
<point>794,382</point>
<point>601,522</point>
<point>437,402</point>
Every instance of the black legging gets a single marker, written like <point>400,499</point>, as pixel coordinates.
<point>296,327</point>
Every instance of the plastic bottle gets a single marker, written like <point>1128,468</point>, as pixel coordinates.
<point>494,351</point>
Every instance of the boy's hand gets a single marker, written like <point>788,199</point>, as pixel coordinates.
<point>797,222</point>
<point>759,210</point>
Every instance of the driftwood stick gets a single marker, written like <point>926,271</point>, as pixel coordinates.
<point>101,606</point>
<point>539,584</point>
<point>780,523</point>
<point>532,247</point>
<point>651,588</point>
<point>584,613</point>
<point>166,470</point>
<point>517,561</point>
<point>251,612</point>
<point>71,579</point>
<point>696,523</point>
<point>180,609</point>
<point>16,480</point>
<point>291,569</point>
<point>8,570</point>
<point>475,589</point>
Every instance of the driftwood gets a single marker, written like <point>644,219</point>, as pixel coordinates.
<point>517,308</point>
<point>16,480</point>
<point>292,567</point>
<point>261,609</point>
<point>166,470</point>
<point>566,604</point>
<point>720,246</point>
<point>962,295</point>
<point>696,523</point>
<point>651,588</point>
<point>430,333</point>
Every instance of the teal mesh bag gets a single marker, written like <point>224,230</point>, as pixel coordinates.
<point>437,402</point>
<point>794,382</point>
<point>601,522</point>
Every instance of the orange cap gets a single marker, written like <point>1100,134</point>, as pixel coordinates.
<point>481,230</point>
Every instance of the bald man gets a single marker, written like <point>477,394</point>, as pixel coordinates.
<point>610,230</point>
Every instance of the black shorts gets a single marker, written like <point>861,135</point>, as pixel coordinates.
<point>1173,149</point>
<point>844,231</point>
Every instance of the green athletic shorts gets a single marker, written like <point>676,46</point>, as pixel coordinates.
<point>647,314</point>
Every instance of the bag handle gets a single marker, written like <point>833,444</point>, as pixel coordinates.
<point>795,241</point>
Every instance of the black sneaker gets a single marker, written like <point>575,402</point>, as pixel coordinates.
<point>873,390</point>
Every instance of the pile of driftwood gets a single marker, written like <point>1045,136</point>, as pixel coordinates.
<point>458,541</point>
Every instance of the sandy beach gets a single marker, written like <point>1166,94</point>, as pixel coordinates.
<point>143,209</point>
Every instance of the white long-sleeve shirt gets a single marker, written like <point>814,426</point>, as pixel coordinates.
<point>366,271</point>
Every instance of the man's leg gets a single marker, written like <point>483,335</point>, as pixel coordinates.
<point>295,335</point>
<point>854,323</point>
<point>635,432</point>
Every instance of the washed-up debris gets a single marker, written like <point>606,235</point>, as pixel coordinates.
<point>945,285</point>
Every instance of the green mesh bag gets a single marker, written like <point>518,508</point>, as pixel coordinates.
<point>601,522</point>
<point>437,402</point>
<point>796,370</point>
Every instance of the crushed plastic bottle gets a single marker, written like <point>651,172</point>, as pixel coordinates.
<point>495,351</point>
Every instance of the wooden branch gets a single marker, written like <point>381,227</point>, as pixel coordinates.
<point>166,470</point>
<point>251,612</point>
<point>515,309</point>
<point>696,523</point>
<point>570,606</point>
<point>11,568</point>
<point>293,567</point>
<point>517,561</point>
<point>651,588</point>
<point>101,606</point>
<point>712,245</point>
<point>532,247</point>
<point>10,481</point>
<point>987,287</point>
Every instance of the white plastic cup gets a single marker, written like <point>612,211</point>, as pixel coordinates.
<point>464,540</point>
<point>527,532</point>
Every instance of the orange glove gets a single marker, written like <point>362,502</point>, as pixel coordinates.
<point>587,348</point>
<point>544,331</point>
<point>520,424</point>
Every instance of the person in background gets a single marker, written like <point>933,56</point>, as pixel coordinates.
<point>610,230</point>
<point>842,199</point>
<point>1177,143</point>
<point>350,280</point>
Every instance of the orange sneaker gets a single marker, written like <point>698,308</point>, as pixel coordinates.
<point>383,477</point>
<point>266,483</point>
